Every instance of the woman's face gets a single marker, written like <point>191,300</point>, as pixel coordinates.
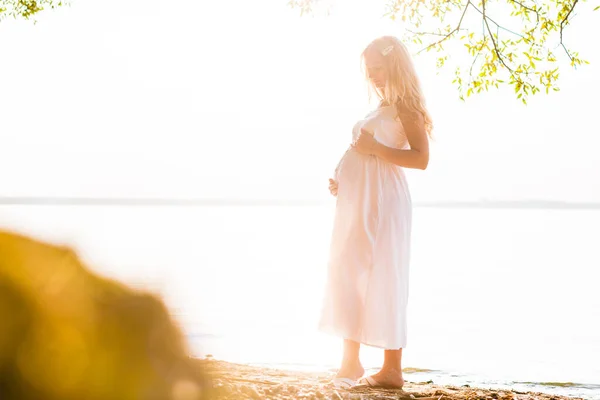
<point>374,62</point>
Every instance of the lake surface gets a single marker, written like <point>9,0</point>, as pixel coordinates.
<point>498,296</point>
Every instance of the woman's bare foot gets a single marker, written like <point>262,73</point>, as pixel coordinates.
<point>352,370</point>
<point>386,378</point>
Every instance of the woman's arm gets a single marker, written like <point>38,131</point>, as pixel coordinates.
<point>416,157</point>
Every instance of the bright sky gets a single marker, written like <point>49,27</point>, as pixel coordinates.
<point>245,99</point>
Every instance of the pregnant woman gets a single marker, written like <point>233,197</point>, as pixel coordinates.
<point>367,286</point>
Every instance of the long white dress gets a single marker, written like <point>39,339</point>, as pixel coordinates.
<point>366,293</point>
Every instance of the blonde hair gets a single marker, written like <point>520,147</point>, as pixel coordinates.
<point>402,88</point>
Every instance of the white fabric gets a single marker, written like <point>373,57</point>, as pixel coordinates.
<point>367,286</point>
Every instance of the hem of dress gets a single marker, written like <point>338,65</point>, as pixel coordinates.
<point>333,332</point>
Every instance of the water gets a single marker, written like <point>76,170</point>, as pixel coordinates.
<point>498,296</point>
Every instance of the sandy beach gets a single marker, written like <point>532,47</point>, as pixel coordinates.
<point>236,381</point>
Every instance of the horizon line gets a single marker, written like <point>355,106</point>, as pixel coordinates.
<point>228,202</point>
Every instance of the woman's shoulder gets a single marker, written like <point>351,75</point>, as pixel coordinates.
<point>409,117</point>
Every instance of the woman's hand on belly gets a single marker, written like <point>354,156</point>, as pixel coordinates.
<point>365,143</point>
<point>333,187</point>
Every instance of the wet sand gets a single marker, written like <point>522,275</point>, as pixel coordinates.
<point>236,381</point>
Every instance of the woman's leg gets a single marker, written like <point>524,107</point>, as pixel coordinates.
<point>351,366</point>
<point>390,374</point>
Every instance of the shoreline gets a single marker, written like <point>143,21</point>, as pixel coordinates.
<point>239,382</point>
<point>57,201</point>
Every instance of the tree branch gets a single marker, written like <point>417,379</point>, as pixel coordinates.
<point>537,13</point>
<point>429,33</point>
<point>562,27</point>
<point>445,37</point>
<point>487,18</point>
<point>525,7</point>
<point>478,51</point>
<point>496,50</point>
<point>475,60</point>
